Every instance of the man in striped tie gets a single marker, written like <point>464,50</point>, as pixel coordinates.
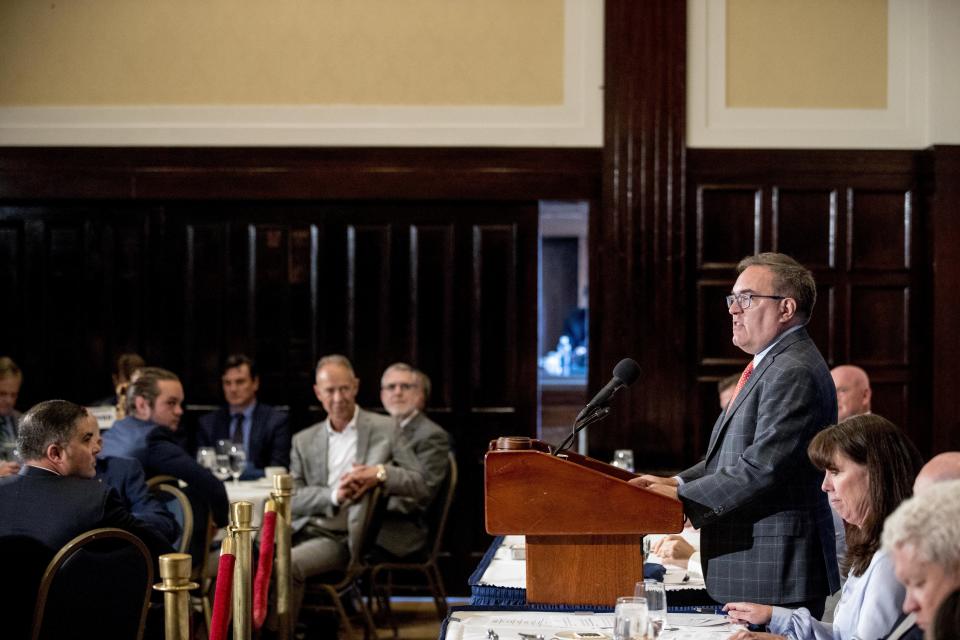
<point>766,529</point>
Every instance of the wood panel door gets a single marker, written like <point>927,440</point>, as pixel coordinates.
<point>448,286</point>
<point>856,220</point>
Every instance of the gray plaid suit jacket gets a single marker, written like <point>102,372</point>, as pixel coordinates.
<point>378,442</point>
<point>766,527</point>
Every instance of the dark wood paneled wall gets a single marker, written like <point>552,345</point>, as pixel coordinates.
<point>638,273</point>
<point>296,255</point>
<point>857,219</point>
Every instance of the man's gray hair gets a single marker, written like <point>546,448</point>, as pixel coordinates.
<point>790,279</point>
<point>930,522</point>
<point>47,423</point>
<point>337,359</point>
<point>147,386</point>
<point>421,376</point>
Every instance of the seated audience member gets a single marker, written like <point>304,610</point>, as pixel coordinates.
<point>334,463</point>
<point>922,536</point>
<point>127,364</point>
<point>52,500</point>
<point>946,624</point>
<point>404,392</point>
<point>154,409</point>
<point>853,391</point>
<point>870,466</point>
<point>10,380</point>
<point>262,430</point>
<point>125,476</point>
<point>941,468</point>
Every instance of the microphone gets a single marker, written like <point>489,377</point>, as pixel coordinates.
<point>624,374</point>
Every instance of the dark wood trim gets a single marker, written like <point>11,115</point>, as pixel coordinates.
<point>945,303</point>
<point>294,173</point>
<point>637,241</point>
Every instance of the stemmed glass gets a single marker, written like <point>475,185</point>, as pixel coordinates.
<point>238,461</point>
<point>656,596</point>
<point>207,457</point>
<point>221,464</point>
<point>630,618</point>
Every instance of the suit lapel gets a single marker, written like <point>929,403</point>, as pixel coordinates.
<point>363,437</point>
<point>320,446</point>
<point>748,388</point>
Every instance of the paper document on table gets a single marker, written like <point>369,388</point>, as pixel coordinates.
<point>542,620</point>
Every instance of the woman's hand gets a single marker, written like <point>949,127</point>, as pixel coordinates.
<point>749,612</point>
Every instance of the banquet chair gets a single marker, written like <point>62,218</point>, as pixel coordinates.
<point>203,567</point>
<point>97,586</point>
<point>177,503</point>
<point>336,585</point>
<point>426,564</point>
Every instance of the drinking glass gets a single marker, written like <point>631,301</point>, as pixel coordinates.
<point>221,466</point>
<point>656,597</point>
<point>238,461</point>
<point>207,457</point>
<point>630,618</point>
<point>623,458</point>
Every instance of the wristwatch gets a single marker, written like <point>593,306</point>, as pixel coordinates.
<point>381,473</point>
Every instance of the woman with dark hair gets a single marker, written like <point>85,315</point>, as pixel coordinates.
<point>869,467</point>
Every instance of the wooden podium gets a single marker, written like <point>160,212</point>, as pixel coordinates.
<point>583,522</point>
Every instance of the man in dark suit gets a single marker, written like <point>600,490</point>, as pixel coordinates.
<point>126,477</point>
<point>154,409</point>
<point>261,429</point>
<point>53,499</point>
<point>10,380</point>
<point>334,463</point>
<point>766,528</point>
<point>404,392</point>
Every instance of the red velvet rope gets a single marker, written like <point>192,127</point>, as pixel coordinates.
<point>261,584</point>
<point>222,600</point>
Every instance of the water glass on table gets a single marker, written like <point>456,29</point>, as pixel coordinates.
<point>238,461</point>
<point>656,596</point>
<point>630,618</point>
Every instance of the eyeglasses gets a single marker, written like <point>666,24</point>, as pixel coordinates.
<point>744,300</point>
<point>403,386</point>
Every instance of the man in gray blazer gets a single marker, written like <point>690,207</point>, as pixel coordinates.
<point>404,391</point>
<point>766,529</point>
<point>334,463</point>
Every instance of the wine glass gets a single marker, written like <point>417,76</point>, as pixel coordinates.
<point>238,461</point>
<point>221,465</point>
<point>207,457</point>
<point>630,618</point>
<point>656,596</point>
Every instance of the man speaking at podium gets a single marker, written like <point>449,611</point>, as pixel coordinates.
<point>766,529</point>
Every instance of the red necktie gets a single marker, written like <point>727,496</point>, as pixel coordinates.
<point>744,377</point>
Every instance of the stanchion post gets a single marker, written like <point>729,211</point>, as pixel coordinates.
<point>175,585</point>
<point>283,494</point>
<point>241,517</point>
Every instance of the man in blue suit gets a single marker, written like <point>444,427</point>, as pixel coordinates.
<point>262,429</point>
<point>766,528</point>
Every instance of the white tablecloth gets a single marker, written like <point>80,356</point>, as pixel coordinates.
<point>255,491</point>
<point>475,625</point>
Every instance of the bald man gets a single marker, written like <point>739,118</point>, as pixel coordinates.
<point>942,467</point>
<point>853,391</point>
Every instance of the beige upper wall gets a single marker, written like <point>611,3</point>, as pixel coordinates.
<point>282,52</point>
<point>814,54</point>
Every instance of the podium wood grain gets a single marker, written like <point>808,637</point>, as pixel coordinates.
<point>582,519</point>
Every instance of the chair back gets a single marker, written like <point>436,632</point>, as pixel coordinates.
<point>177,503</point>
<point>376,506</point>
<point>439,510</point>
<point>97,586</point>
